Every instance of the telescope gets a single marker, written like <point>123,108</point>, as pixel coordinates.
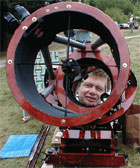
<point>88,138</point>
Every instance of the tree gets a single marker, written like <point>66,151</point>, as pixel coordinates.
<point>118,10</point>
<point>112,8</point>
<point>116,14</point>
<point>8,6</point>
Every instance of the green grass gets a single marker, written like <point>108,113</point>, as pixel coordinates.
<point>134,49</point>
<point>128,33</point>
<point>11,114</point>
<point>11,124</point>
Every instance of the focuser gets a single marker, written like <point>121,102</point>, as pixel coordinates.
<point>70,67</point>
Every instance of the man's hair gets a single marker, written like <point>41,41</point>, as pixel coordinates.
<point>98,72</point>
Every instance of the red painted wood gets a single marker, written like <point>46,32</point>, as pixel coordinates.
<point>89,134</point>
<point>90,114</point>
<point>91,159</point>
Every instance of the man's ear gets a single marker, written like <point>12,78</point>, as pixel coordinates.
<point>77,91</point>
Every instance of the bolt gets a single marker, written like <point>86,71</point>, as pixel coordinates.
<point>24,28</point>
<point>56,7</point>
<point>34,19</point>
<point>63,121</point>
<point>68,6</point>
<point>10,61</point>
<point>47,10</point>
<point>124,65</point>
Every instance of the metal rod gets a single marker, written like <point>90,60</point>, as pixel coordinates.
<point>73,43</point>
<point>97,43</point>
<point>37,147</point>
<point>68,43</point>
<point>62,109</point>
<point>47,90</point>
<point>47,58</point>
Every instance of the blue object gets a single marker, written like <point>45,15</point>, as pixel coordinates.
<point>18,146</point>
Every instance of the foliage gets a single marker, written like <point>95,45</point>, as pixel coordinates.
<point>30,5</point>
<point>118,10</point>
<point>118,15</point>
<point>134,1</point>
<point>11,114</point>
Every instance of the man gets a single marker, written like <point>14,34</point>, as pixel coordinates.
<point>90,89</point>
<point>131,23</point>
<point>83,36</point>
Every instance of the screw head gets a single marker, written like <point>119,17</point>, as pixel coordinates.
<point>47,10</point>
<point>10,61</point>
<point>63,121</point>
<point>24,28</point>
<point>68,6</point>
<point>34,19</point>
<point>56,7</point>
<point>124,65</point>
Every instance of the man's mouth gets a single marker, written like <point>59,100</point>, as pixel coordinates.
<point>91,99</point>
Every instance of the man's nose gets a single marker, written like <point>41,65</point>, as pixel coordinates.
<point>92,90</point>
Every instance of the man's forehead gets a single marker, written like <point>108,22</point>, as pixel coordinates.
<point>99,81</point>
<point>93,76</point>
<point>95,80</point>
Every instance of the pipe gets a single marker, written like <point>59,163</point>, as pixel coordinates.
<point>73,43</point>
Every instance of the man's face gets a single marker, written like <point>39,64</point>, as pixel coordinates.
<point>91,90</point>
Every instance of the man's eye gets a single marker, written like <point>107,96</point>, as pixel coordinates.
<point>88,85</point>
<point>100,89</point>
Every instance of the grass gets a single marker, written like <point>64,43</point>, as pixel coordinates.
<point>134,49</point>
<point>11,114</point>
<point>11,123</point>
